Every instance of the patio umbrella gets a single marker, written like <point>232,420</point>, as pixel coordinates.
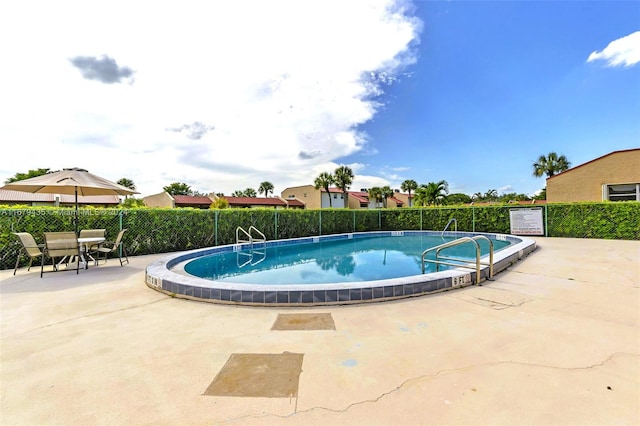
<point>70,181</point>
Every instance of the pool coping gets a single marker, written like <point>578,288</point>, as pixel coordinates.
<point>160,276</point>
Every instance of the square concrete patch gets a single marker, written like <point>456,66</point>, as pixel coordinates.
<point>304,322</point>
<point>258,375</point>
<point>494,298</point>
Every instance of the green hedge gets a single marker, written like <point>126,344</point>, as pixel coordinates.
<point>167,230</point>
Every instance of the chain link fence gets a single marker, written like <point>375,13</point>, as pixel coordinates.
<point>151,231</point>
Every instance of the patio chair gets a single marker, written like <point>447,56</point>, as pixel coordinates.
<point>91,233</point>
<point>29,247</point>
<point>61,245</point>
<point>108,247</point>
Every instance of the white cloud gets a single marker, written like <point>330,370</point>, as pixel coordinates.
<point>505,189</point>
<point>623,51</point>
<point>224,95</point>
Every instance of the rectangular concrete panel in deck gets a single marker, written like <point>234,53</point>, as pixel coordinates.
<point>304,322</point>
<point>258,375</point>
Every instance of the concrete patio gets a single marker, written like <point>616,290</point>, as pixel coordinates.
<point>554,340</point>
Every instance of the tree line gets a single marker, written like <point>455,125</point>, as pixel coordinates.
<point>429,194</point>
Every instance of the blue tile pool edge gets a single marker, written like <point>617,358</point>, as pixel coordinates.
<point>160,277</point>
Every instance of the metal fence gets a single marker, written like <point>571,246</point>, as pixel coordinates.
<point>152,231</point>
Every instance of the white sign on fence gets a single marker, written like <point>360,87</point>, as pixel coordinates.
<point>526,221</point>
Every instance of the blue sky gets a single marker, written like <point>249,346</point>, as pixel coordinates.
<point>225,95</point>
<point>496,84</point>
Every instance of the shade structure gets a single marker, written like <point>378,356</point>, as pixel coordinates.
<point>70,181</point>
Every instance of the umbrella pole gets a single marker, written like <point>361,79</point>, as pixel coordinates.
<point>75,220</point>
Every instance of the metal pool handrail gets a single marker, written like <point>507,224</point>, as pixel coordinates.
<point>453,219</point>
<point>248,234</point>
<point>250,256</point>
<point>460,262</point>
<point>263,239</point>
<point>238,240</point>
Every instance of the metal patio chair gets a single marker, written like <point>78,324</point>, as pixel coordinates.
<point>63,246</point>
<point>29,247</point>
<point>90,233</point>
<point>108,247</point>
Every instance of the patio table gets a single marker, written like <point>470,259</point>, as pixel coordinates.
<point>85,243</point>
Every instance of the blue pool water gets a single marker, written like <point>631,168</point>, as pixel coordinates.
<point>333,261</point>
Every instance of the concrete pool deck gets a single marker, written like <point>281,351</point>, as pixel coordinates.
<point>554,339</point>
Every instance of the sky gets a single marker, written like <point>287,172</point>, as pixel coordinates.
<point>224,95</point>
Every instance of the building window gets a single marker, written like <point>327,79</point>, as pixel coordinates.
<point>623,192</point>
<point>335,196</point>
<point>305,195</point>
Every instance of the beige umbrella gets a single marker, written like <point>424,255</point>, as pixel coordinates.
<point>70,181</point>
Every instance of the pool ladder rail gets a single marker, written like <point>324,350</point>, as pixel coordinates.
<point>455,222</point>
<point>461,262</point>
<point>254,255</point>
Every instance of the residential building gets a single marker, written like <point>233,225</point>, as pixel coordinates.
<point>612,177</point>
<point>256,202</point>
<point>166,200</point>
<point>313,198</point>
<point>8,197</point>
<point>360,200</point>
<point>406,199</point>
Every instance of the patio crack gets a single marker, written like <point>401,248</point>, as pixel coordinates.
<point>97,314</point>
<point>587,281</point>
<point>428,377</point>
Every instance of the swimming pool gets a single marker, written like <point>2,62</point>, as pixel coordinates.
<point>332,269</point>
<point>367,258</point>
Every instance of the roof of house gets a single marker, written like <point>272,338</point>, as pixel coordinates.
<point>28,197</point>
<point>363,197</point>
<point>397,201</point>
<point>191,200</point>
<point>255,201</point>
<point>594,160</point>
<point>336,190</point>
<point>293,202</point>
<point>528,202</point>
<point>500,203</point>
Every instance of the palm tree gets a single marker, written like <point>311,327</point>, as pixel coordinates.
<point>387,192</point>
<point>490,195</point>
<point>265,187</point>
<point>432,194</point>
<point>324,181</point>
<point>343,179</point>
<point>375,194</point>
<point>421,196</point>
<point>408,186</point>
<point>127,183</point>
<point>550,165</point>
<point>249,192</point>
<point>178,188</point>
